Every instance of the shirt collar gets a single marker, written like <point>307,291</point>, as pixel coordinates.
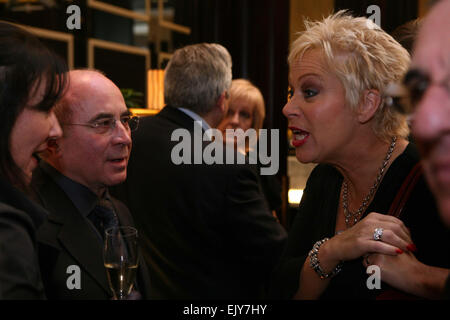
<point>196,117</point>
<point>81,196</point>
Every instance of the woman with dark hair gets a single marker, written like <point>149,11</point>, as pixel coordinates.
<point>32,79</point>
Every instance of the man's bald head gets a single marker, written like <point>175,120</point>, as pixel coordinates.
<point>90,152</point>
<point>84,85</point>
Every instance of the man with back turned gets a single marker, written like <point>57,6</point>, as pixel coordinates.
<point>207,232</point>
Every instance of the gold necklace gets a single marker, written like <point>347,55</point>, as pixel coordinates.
<point>355,216</point>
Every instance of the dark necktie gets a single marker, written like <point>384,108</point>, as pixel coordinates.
<point>103,216</point>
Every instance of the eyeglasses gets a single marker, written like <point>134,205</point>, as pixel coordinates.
<point>407,95</point>
<point>108,125</point>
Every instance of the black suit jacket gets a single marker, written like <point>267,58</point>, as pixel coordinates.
<point>208,233</point>
<point>20,277</point>
<point>66,238</point>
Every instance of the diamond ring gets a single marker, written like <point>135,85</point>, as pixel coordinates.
<point>377,234</point>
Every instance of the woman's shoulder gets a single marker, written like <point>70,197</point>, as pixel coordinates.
<point>410,154</point>
<point>14,219</point>
<point>403,165</point>
<point>22,281</point>
<point>15,200</point>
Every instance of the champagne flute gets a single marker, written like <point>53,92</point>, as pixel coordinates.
<point>120,257</point>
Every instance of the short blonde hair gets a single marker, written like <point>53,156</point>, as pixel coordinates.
<point>371,59</point>
<point>244,89</point>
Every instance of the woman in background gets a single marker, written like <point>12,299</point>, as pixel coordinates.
<point>32,79</point>
<point>246,110</point>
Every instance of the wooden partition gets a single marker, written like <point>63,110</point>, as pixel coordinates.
<point>313,10</point>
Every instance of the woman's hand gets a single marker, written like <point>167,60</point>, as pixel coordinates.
<point>359,240</point>
<point>351,244</point>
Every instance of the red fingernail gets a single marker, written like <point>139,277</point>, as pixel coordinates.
<point>399,251</point>
<point>411,247</point>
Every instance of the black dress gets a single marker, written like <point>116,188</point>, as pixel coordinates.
<point>316,219</point>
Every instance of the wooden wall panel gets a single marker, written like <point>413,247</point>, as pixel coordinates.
<point>423,6</point>
<point>313,10</point>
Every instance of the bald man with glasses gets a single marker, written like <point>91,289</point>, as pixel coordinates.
<point>72,183</point>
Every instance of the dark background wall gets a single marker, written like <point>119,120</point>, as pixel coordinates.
<point>393,13</point>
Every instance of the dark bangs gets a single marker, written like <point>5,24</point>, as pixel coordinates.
<point>26,68</point>
<point>55,78</point>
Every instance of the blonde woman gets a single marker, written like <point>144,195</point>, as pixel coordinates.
<point>246,110</point>
<point>341,119</point>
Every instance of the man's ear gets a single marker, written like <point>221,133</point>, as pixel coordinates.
<point>222,103</point>
<point>370,102</point>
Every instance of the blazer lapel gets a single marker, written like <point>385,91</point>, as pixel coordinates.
<point>83,244</point>
<point>76,235</point>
